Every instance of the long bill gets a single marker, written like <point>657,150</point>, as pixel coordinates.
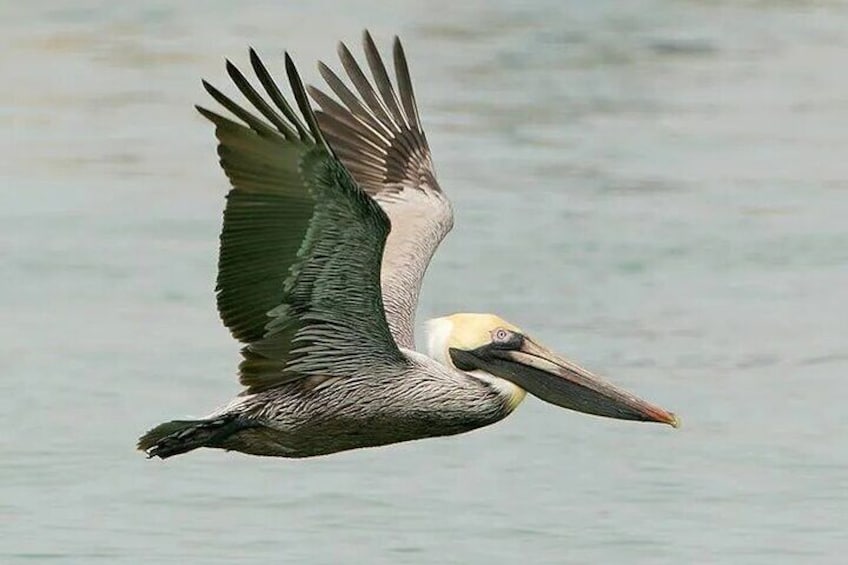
<point>554,379</point>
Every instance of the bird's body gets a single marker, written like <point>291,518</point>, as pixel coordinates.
<point>328,231</point>
<point>428,399</point>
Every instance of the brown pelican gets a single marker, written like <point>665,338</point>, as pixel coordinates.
<point>331,222</point>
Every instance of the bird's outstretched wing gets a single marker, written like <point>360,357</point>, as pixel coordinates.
<point>301,246</point>
<point>378,137</point>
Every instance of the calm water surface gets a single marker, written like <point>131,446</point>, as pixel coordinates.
<point>657,189</point>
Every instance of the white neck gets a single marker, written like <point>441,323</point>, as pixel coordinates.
<point>438,336</point>
<point>438,341</point>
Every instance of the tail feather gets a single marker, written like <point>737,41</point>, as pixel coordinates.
<point>181,436</point>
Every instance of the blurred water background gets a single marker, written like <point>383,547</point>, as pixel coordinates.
<point>657,189</point>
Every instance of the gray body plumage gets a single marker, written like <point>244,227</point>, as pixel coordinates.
<point>425,399</point>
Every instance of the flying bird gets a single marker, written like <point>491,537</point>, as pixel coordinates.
<point>332,219</point>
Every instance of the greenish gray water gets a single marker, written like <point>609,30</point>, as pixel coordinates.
<point>657,189</point>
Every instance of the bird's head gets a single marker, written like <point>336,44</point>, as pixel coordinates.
<point>486,346</point>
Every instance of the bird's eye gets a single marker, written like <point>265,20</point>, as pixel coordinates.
<point>502,335</point>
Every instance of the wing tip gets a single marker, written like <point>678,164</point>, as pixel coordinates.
<point>207,86</point>
<point>342,49</point>
<point>302,99</point>
<point>206,113</point>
